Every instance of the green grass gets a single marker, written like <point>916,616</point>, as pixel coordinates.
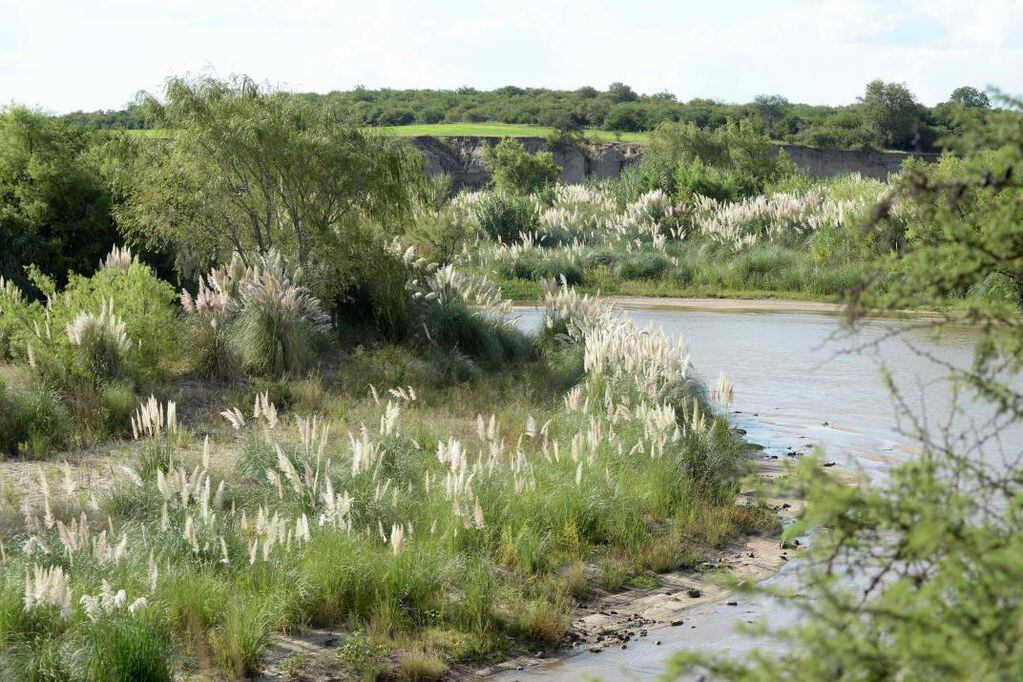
<point>466,585</point>
<point>501,130</point>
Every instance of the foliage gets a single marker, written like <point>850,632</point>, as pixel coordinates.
<point>248,171</point>
<point>970,97</point>
<point>258,316</point>
<point>694,178</point>
<point>54,204</point>
<point>516,171</point>
<point>504,217</point>
<point>732,162</point>
<point>89,348</point>
<point>892,115</point>
<point>618,108</point>
<point>936,549</point>
<point>31,421</point>
<point>96,324</point>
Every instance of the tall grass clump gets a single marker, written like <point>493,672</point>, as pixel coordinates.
<point>256,317</point>
<point>461,313</point>
<point>504,217</point>
<point>33,420</point>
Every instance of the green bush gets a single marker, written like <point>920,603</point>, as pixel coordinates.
<point>121,322</point>
<point>35,420</point>
<point>442,234</point>
<point>132,647</point>
<point>536,264</point>
<point>694,177</point>
<point>733,161</point>
<point>505,217</point>
<point>56,204</point>
<point>492,342</point>
<point>516,170</point>
<point>643,265</point>
<point>213,355</point>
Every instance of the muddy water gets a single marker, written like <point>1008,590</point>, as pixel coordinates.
<point>801,381</point>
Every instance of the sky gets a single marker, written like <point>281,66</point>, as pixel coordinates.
<point>65,55</point>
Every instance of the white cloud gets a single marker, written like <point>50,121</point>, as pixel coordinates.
<point>66,55</point>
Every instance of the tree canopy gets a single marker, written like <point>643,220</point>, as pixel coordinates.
<point>250,171</point>
<point>621,107</point>
<point>54,203</point>
<point>937,547</point>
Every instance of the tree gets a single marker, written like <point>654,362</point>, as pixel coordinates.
<point>970,97</point>
<point>770,109</point>
<point>937,549</point>
<point>55,209</point>
<point>624,117</point>
<point>892,115</point>
<point>620,92</point>
<point>517,171</point>
<point>251,171</point>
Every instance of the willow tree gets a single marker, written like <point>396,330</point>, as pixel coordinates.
<point>247,170</point>
<point>921,576</point>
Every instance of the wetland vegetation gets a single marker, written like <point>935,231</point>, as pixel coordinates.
<point>259,378</point>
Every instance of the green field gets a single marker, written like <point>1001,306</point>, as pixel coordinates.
<point>502,130</point>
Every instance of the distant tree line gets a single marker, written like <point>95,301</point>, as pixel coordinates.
<point>887,116</point>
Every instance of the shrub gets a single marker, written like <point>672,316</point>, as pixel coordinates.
<point>34,419</point>
<point>462,314</point>
<point>743,160</point>
<point>213,355</point>
<point>132,647</point>
<point>541,621</point>
<point>491,341</point>
<point>421,665</point>
<point>271,322</point>
<point>536,264</point>
<point>442,233</point>
<point>140,300</point>
<point>93,329</point>
<point>100,342</point>
<point>505,217</point>
<point>517,171</point>
<point>239,644</point>
<point>694,178</point>
<point>360,652</point>
<point>643,265</point>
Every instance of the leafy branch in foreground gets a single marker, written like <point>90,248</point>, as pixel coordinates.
<point>919,576</point>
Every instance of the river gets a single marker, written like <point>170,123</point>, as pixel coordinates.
<point>801,381</point>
